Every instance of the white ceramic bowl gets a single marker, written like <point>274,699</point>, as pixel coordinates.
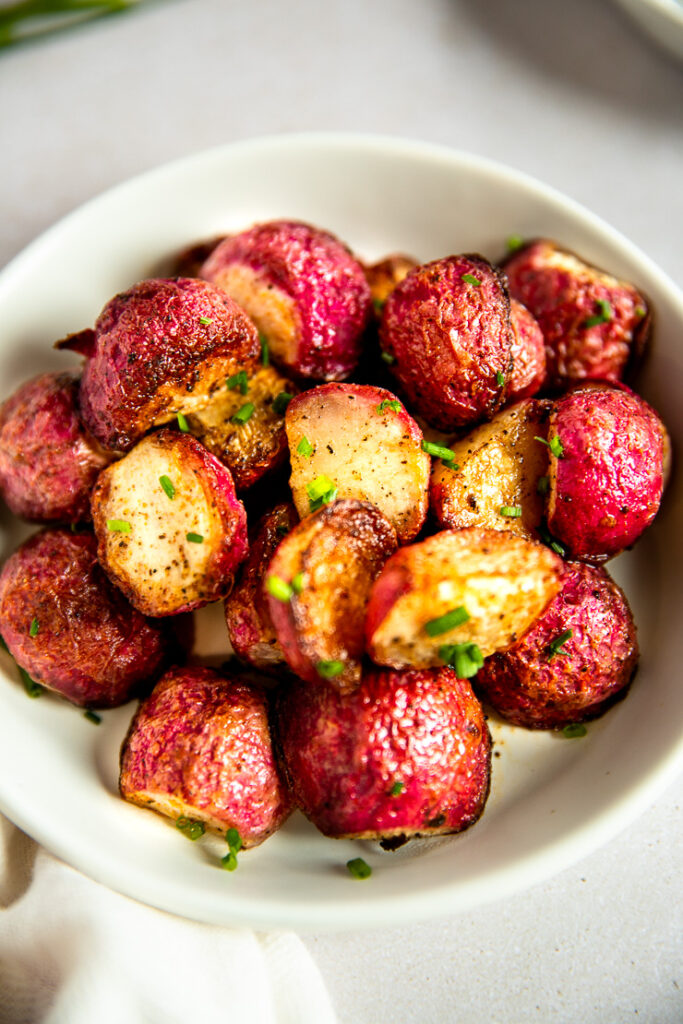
<point>553,800</point>
<point>661,20</point>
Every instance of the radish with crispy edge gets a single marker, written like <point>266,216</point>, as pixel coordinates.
<point>573,662</point>
<point>199,748</point>
<point>358,441</point>
<point>244,423</point>
<point>171,532</point>
<point>446,332</point>
<point>457,590</point>
<point>385,274</point>
<point>303,289</point>
<point>405,754</point>
<point>498,476</point>
<point>594,326</point>
<point>70,629</point>
<point>318,585</point>
<point>48,461</point>
<point>163,347</point>
<point>607,452</point>
<point>528,354</point>
<point>250,626</point>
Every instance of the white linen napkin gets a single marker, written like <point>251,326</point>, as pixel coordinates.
<point>73,952</point>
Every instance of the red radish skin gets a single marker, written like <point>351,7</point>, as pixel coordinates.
<point>304,290</point>
<point>446,326</point>
<point>534,688</point>
<point>528,354</point>
<point>89,645</point>
<point>200,747</point>
<point>48,462</point>
<point>606,487</point>
<point>406,754</point>
<point>163,347</point>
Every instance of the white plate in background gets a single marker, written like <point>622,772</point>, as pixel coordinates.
<point>553,800</point>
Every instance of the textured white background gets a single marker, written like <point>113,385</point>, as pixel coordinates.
<point>569,92</point>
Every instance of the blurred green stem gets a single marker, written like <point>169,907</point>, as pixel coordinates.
<point>16,17</point>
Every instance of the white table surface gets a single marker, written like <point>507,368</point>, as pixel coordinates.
<point>569,92</point>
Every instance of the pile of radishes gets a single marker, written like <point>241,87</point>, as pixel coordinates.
<point>403,480</point>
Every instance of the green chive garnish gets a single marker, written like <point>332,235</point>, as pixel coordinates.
<point>573,731</point>
<point>281,401</point>
<point>555,445</point>
<point>603,316</point>
<point>378,304</point>
<point>118,525</point>
<point>511,511</point>
<point>238,380</point>
<point>542,485</point>
<point>182,423</point>
<point>92,717</point>
<point>389,404</point>
<point>278,588</point>
<point>167,485</point>
<point>191,829</point>
<point>514,243</point>
<point>298,583</point>
<point>205,320</point>
<point>639,311</point>
<point>265,351</point>
<point>33,689</point>
<point>33,628</point>
<point>548,539</point>
<point>358,868</point>
<point>305,448</point>
<point>555,646</point>
<point>329,669</point>
<point>438,451</point>
<point>471,279</point>
<point>194,538</point>
<point>455,617</point>
<point>397,789</point>
<point>500,378</point>
<point>244,414</point>
<point>234,841</point>
<point>388,358</point>
<point>465,658</point>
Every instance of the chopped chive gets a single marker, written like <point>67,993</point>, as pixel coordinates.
<point>471,279</point>
<point>278,588</point>
<point>378,304</point>
<point>244,414</point>
<point>389,404</point>
<point>438,451</point>
<point>182,423</point>
<point>191,829</point>
<point>118,526</point>
<point>305,448</point>
<point>514,243</point>
<point>455,617</point>
<point>511,511</point>
<point>234,840</point>
<point>298,583</point>
<point>574,730</point>
<point>500,378</point>
<point>319,487</point>
<point>92,717</point>
<point>639,311</point>
<point>282,529</point>
<point>542,485</point>
<point>465,658</point>
<point>550,541</point>
<point>358,868</point>
<point>33,689</point>
<point>329,669</point>
<point>555,445</point>
<point>194,538</point>
<point>167,485</point>
<point>326,499</point>
<point>229,862</point>
<point>603,316</point>
<point>388,358</point>
<point>281,401</point>
<point>397,788</point>
<point>205,320</point>
<point>555,646</point>
<point>265,351</point>
<point>33,628</point>
<point>238,381</point>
